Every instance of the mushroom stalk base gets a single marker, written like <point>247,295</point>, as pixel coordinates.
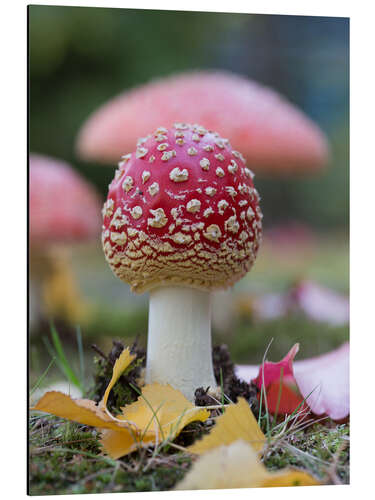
<point>179,349</point>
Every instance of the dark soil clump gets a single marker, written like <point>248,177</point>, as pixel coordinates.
<point>127,388</point>
<point>226,378</point>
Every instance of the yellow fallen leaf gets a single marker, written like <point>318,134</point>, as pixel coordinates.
<point>238,466</point>
<point>290,478</point>
<point>161,412</point>
<point>117,444</point>
<point>121,364</point>
<point>238,422</point>
<point>83,411</point>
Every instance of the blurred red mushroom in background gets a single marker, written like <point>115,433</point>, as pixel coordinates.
<point>272,134</point>
<point>63,209</point>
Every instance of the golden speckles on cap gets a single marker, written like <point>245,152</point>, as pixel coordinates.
<point>220,172</point>
<point>151,159</point>
<point>136,212</point>
<point>222,205</point>
<point>145,176</point>
<point>127,184</point>
<point>200,130</point>
<point>181,239</point>
<point>161,130</point>
<point>219,157</point>
<point>167,155</point>
<point>208,148</point>
<point>160,137</point>
<point>166,247</point>
<point>193,206</point>
<point>231,191</point>
<point>244,236</point>
<point>233,167</point>
<point>220,143</point>
<point>180,141</point>
<point>178,175</point>
<point>175,212</point>
<point>243,189</point>
<point>108,250</point>
<point>118,220</point>
<point>153,189</point>
<point>210,191</point>
<point>108,208</point>
<point>238,155</point>
<point>212,233</point>
<point>250,213</point>
<point>198,226</point>
<point>141,152</point>
<point>232,224</point>
<point>118,173</point>
<point>248,173</point>
<point>132,232</point>
<point>142,140</point>
<point>159,219</point>
<point>118,238</point>
<point>205,163</point>
<point>208,212</point>
<point>163,146</point>
<point>192,151</point>
<point>181,126</point>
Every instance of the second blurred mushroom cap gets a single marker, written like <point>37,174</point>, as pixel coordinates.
<point>272,133</point>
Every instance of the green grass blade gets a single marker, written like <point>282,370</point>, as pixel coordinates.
<point>38,382</point>
<point>81,357</point>
<point>61,359</point>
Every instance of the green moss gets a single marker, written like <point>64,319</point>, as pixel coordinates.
<point>314,450</point>
<point>65,458</point>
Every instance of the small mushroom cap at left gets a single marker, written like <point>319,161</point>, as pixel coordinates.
<point>63,207</point>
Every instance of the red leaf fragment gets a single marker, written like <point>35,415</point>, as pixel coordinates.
<point>270,372</point>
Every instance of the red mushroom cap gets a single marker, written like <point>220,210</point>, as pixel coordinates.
<point>63,206</point>
<point>272,133</point>
<point>182,210</point>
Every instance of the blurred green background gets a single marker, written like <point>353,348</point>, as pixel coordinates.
<point>80,57</point>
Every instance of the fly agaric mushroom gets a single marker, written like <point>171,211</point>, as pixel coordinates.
<point>182,219</point>
<point>272,134</point>
<point>63,208</point>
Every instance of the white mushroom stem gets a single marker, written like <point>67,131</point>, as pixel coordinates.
<point>179,339</point>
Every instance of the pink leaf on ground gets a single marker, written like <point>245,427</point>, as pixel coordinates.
<point>326,377</point>
<point>323,380</point>
<point>246,372</point>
